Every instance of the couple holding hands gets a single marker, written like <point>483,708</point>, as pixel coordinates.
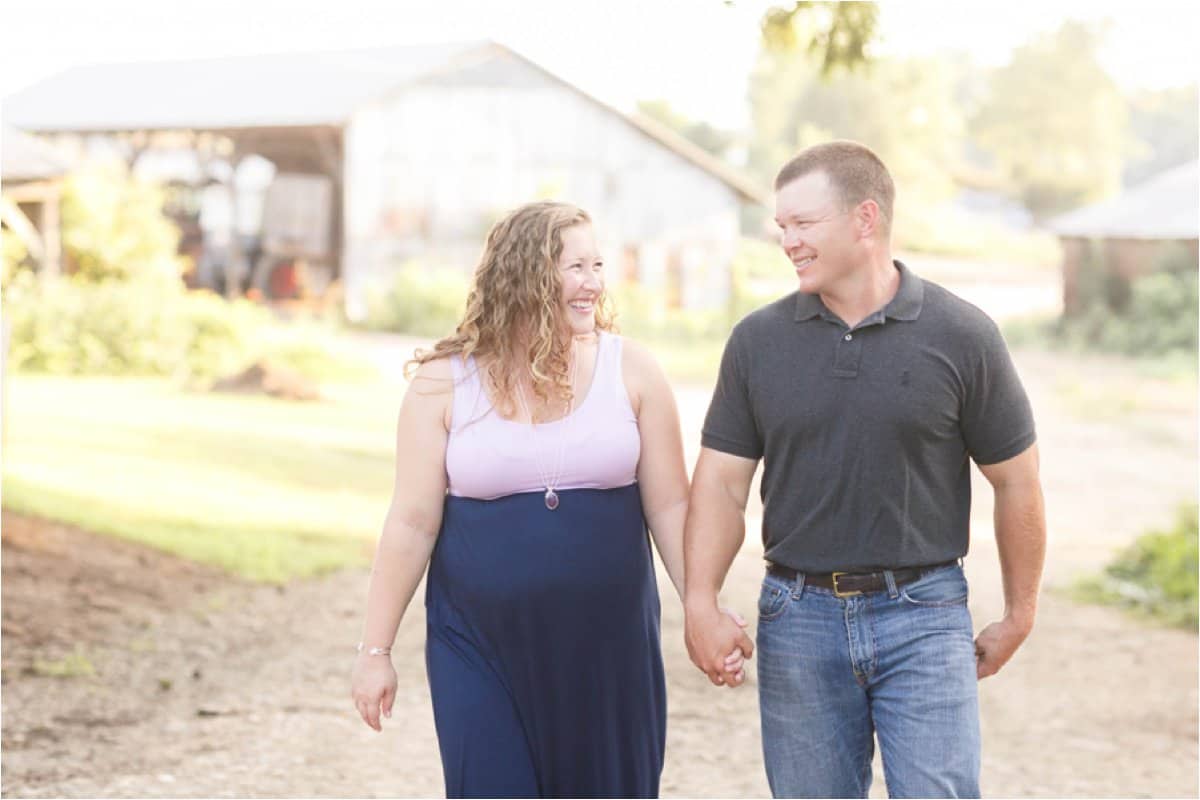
<point>535,448</point>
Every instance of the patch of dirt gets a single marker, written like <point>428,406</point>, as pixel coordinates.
<point>270,379</point>
<point>65,589</point>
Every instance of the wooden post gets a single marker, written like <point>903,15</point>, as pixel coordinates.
<point>51,234</point>
<point>332,152</point>
<point>236,267</point>
<point>4,337</point>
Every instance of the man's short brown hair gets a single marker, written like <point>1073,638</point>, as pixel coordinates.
<point>854,172</point>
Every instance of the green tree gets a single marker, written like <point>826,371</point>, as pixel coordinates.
<point>902,109</point>
<point>714,140</point>
<point>1163,131</point>
<point>114,227</point>
<point>1054,122</point>
<point>834,34</point>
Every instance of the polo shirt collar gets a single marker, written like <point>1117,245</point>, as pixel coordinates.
<point>906,305</point>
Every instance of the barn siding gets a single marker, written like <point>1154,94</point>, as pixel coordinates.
<point>431,167</point>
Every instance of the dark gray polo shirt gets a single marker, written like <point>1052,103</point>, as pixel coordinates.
<point>865,434</point>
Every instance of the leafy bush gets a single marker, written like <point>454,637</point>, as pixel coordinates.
<point>72,327</point>
<point>1160,318</point>
<point>1157,575</point>
<point>420,301</point>
<point>307,350</point>
<point>124,311</point>
<point>14,256</point>
<point>113,227</point>
<point>217,336</point>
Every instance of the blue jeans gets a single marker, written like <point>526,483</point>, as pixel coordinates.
<point>832,672</point>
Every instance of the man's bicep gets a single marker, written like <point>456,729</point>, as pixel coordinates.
<point>724,473</point>
<point>997,417</point>
<point>730,424</point>
<point>1015,471</point>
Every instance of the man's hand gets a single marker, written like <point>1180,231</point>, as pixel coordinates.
<point>716,644</point>
<point>996,644</point>
<point>1020,521</point>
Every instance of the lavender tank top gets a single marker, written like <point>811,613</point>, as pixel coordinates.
<point>488,456</point>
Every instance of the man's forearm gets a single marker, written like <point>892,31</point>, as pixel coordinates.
<point>1020,522</point>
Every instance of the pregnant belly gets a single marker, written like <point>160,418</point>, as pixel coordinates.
<point>515,554</point>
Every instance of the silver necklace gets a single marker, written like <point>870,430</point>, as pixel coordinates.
<point>550,479</point>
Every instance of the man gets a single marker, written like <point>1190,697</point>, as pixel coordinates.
<point>866,394</point>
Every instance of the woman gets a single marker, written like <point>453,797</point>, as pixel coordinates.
<point>534,446</point>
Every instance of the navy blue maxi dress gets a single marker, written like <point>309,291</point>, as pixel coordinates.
<point>543,647</point>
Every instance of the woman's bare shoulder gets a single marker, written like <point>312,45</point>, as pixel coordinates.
<point>432,373</point>
<point>436,369</point>
<point>637,360</point>
<point>432,381</point>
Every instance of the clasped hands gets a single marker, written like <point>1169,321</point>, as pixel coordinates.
<point>718,645</point>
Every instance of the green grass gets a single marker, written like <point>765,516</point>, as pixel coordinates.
<point>75,665</point>
<point>265,489</point>
<point>1155,577</point>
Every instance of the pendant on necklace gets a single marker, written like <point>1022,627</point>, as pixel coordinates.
<point>551,499</point>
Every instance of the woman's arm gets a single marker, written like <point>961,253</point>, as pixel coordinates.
<point>409,532</point>
<point>661,474</point>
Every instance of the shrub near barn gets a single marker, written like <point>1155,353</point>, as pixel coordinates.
<point>76,327</point>
<point>123,309</point>
<point>113,228</point>
<point>264,489</point>
<point>1155,315</point>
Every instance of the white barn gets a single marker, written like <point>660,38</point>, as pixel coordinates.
<point>424,147</point>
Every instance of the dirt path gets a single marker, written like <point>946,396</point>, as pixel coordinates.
<point>206,686</point>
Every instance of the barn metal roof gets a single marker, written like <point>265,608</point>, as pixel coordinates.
<point>24,158</point>
<point>1166,206</point>
<point>279,91</point>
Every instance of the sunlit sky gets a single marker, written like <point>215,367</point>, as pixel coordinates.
<point>696,54</point>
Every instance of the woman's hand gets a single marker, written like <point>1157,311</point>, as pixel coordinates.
<point>373,687</point>
<point>735,671</point>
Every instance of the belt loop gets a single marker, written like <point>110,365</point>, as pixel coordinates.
<point>798,589</point>
<point>890,577</point>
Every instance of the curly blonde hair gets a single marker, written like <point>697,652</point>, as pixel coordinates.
<point>515,297</point>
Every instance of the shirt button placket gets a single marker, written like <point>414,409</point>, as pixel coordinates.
<point>847,356</point>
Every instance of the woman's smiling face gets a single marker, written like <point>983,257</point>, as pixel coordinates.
<point>581,271</point>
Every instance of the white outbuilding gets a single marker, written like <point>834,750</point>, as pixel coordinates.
<point>413,152</point>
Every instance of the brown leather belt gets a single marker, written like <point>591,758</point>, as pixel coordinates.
<point>847,584</point>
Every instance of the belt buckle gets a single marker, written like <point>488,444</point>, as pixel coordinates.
<point>838,592</point>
